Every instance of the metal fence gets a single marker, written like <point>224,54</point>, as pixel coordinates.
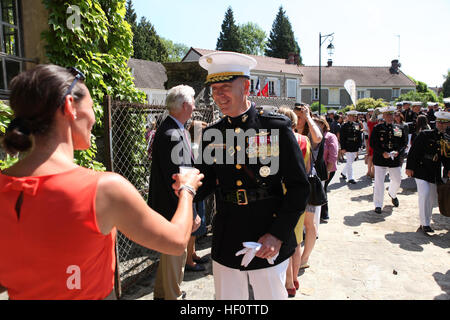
<point>126,153</point>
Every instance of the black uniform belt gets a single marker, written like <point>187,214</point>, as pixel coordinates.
<point>243,197</point>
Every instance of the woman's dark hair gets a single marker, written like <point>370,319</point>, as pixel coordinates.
<point>421,123</point>
<point>35,97</point>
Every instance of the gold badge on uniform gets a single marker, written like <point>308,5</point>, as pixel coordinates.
<point>244,118</point>
<point>209,60</point>
<point>264,172</point>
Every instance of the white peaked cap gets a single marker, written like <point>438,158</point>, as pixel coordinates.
<point>225,66</point>
<point>442,116</point>
<point>388,109</point>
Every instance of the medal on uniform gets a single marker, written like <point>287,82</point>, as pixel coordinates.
<point>274,146</point>
<point>264,172</point>
<point>262,147</point>
<point>252,150</point>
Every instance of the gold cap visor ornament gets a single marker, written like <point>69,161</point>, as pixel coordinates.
<point>224,66</point>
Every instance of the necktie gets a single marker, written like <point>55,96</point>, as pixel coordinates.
<point>188,144</point>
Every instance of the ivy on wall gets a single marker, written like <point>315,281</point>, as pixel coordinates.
<point>93,36</point>
<point>6,115</point>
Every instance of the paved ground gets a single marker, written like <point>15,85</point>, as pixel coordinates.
<point>359,254</point>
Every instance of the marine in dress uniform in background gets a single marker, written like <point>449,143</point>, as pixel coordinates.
<point>388,141</point>
<point>430,114</point>
<point>408,115</point>
<point>351,141</point>
<point>257,201</point>
<point>429,151</point>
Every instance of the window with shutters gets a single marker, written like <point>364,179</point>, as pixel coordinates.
<point>291,85</point>
<point>253,83</point>
<point>315,93</point>
<point>395,92</point>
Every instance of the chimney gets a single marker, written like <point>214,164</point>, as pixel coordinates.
<point>291,58</point>
<point>330,63</point>
<point>297,59</point>
<point>395,65</point>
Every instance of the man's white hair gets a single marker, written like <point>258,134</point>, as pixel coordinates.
<point>177,96</point>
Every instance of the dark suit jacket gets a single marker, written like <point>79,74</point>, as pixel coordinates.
<point>168,154</point>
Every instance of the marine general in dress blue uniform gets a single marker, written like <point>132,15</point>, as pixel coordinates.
<point>252,162</point>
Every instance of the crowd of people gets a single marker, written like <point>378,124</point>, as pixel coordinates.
<point>57,232</point>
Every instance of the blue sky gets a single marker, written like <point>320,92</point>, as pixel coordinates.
<point>365,32</point>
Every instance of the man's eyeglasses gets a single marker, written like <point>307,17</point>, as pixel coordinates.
<point>78,76</point>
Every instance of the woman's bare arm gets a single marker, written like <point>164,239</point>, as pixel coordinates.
<point>119,204</point>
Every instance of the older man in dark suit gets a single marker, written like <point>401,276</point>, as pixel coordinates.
<point>171,149</point>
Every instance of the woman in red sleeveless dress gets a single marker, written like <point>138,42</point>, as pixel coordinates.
<point>58,221</point>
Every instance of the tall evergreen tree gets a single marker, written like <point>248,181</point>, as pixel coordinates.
<point>281,41</point>
<point>229,39</point>
<point>147,44</point>
<point>446,85</point>
<point>130,15</point>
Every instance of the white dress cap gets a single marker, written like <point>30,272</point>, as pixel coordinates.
<point>442,116</point>
<point>388,109</point>
<point>225,66</point>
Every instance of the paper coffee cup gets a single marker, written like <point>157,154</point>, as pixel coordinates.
<point>186,169</point>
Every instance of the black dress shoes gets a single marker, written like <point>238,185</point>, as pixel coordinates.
<point>395,202</point>
<point>378,210</point>
<point>426,229</point>
<point>352,181</point>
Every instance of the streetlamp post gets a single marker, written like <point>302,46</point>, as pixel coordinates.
<point>330,49</point>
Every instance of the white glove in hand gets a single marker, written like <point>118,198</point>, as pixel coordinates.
<point>249,252</point>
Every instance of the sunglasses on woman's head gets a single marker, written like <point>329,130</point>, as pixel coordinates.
<point>78,76</point>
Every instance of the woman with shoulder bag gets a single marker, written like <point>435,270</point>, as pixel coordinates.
<point>306,126</point>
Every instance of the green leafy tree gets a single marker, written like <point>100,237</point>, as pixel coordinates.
<point>101,47</point>
<point>253,38</point>
<point>422,93</point>
<point>446,86</point>
<point>147,44</point>
<point>229,38</point>
<point>175,51</point>
<point>281,41</point>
